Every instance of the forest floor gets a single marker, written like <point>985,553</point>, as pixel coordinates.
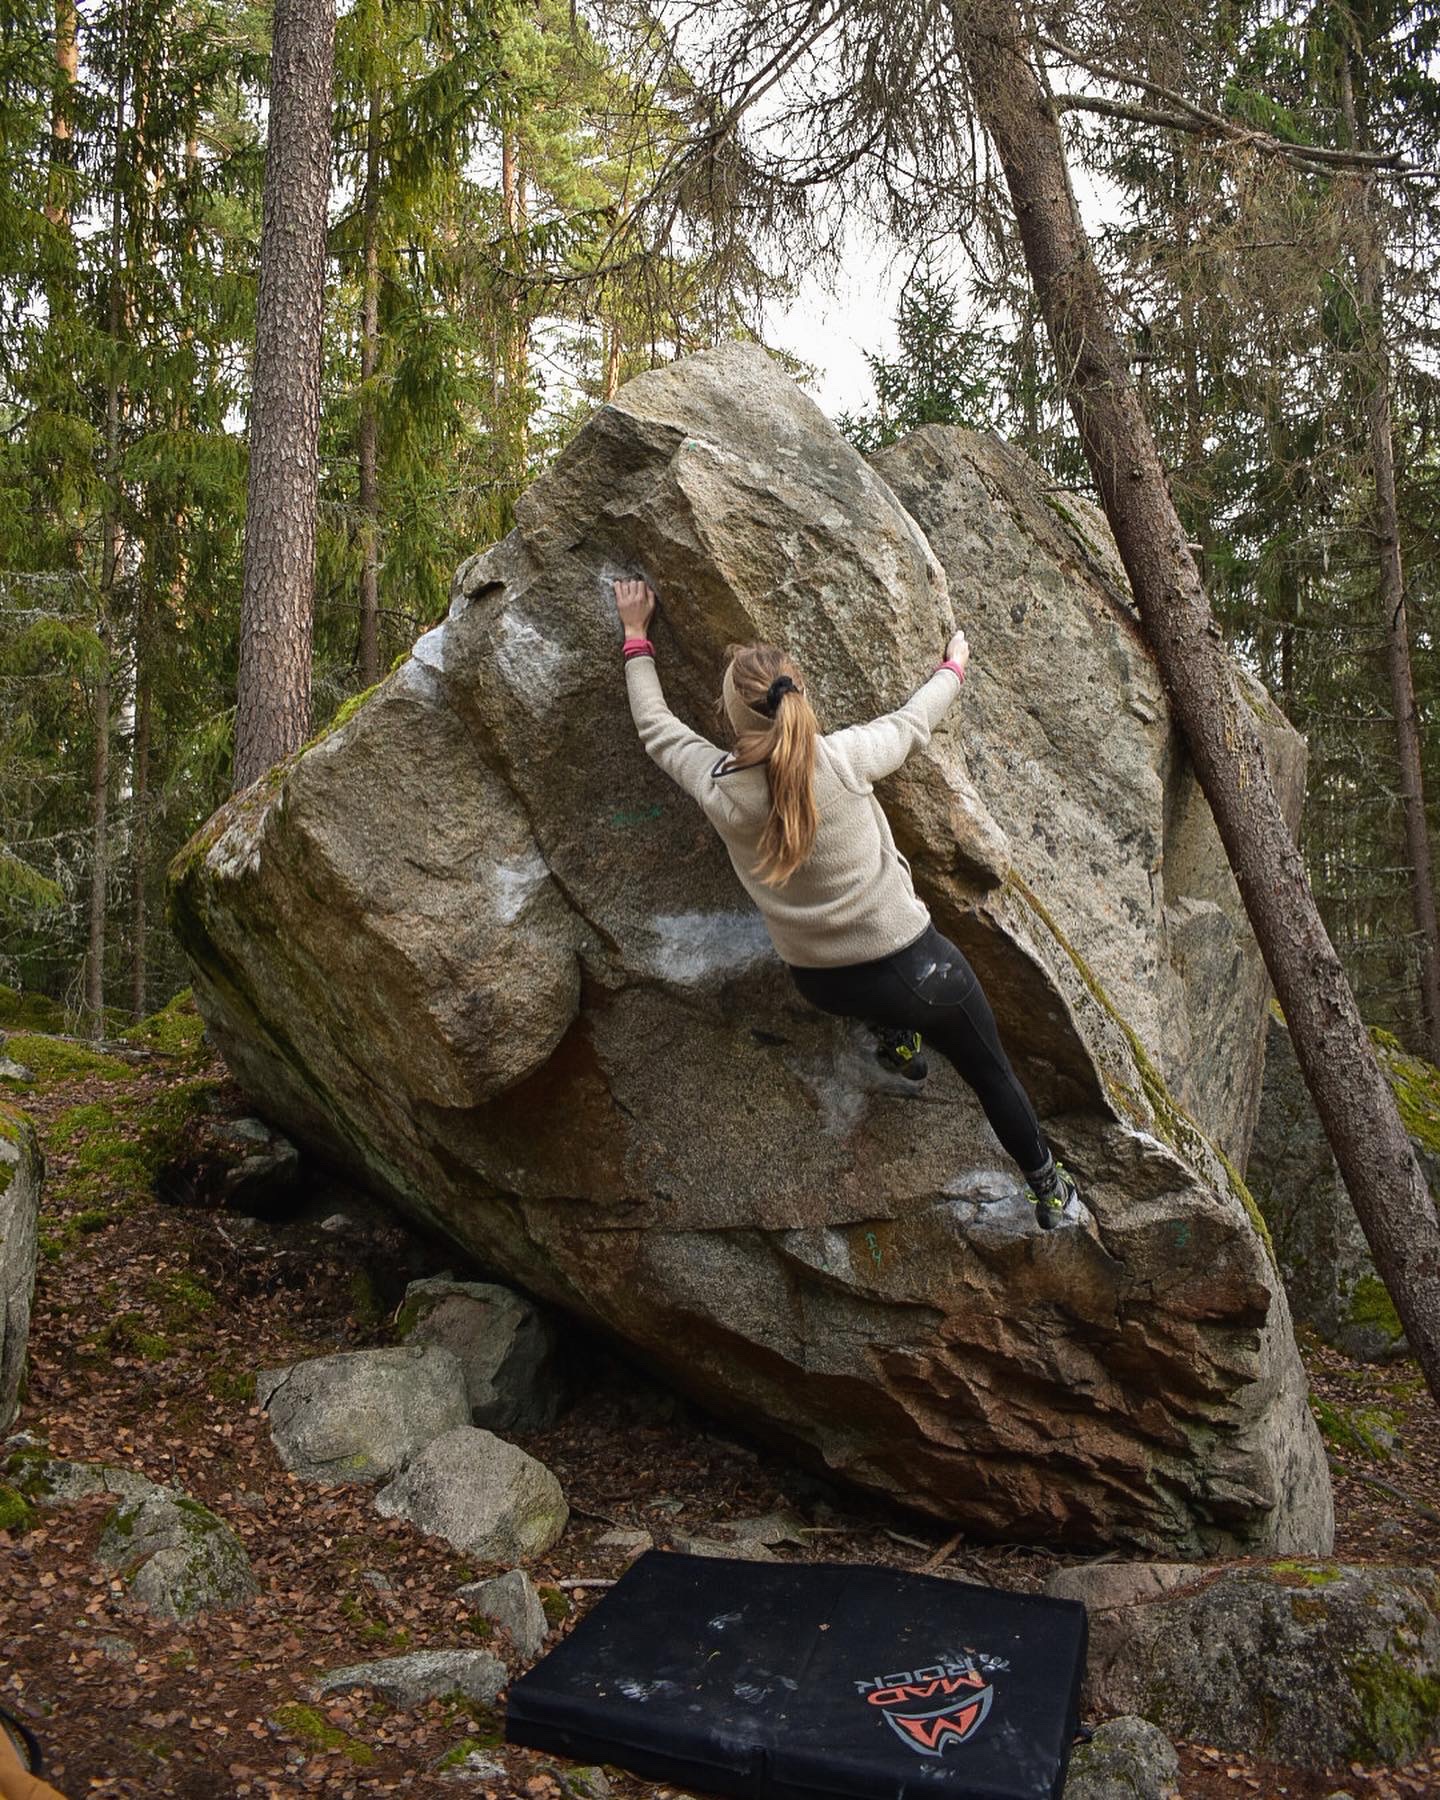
<point>150,1319</point>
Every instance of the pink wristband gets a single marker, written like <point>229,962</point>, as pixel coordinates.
<point>953,667</point>
<point>640,646</point>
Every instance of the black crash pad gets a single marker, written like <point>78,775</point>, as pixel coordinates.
<point>803,1680</point>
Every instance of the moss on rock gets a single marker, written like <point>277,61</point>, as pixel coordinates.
<point>1165,1114</point>
<point>16,1512</point>
<point>1305,1574</point>
<point>1400,1709</point>
<point>1370,1304</point>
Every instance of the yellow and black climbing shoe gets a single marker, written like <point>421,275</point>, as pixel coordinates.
<point>899,1051</point>
<point>1051,1197</point>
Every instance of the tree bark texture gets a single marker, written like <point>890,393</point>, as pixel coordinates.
<point>272,702</point>
<point>67,75</point>
<point>369,420</point>
<point>1375,379</point>
<point>1351,1094</point>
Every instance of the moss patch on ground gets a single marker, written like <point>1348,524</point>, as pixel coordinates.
<point>1367,1431</point>
<point>29,1011</point>
<point>311,1726</point>
<point>57,1059</point>
<point>115,1149</point>
<point>176,1030</point>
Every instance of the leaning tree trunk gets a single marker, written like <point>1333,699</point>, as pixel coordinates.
<point>1351,1094</point>
<point>1375,379</point>
<point>272,699</point>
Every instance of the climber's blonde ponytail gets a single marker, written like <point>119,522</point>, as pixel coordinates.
<point>765,700</point>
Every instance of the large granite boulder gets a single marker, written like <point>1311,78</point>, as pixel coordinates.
<point>1329,1275</point>
<point>22,1169</point>
<point>475,948</point>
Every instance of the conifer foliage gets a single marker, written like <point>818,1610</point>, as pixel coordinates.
<point>483,159</point>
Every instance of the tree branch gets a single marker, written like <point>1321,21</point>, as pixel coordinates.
<point>1202,121</point>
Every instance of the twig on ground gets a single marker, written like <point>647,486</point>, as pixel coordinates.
<point>942,1555</point>
<point>1384,1487</point>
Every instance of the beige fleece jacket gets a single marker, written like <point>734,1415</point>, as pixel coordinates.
<point>851,900</point>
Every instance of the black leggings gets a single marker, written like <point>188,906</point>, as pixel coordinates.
<point>930,988</point>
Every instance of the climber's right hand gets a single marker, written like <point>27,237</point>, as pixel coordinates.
<point>957,650</point>
<point>635,603</point>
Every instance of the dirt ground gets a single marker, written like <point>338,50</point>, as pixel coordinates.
<point>150,1319</point>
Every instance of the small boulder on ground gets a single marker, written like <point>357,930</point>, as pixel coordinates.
<point>485,1496</point>
<point>362,1414</point>
<point>47,1480</point>
<point>505,1344</point>
<point>1308,1663</point>
<point>1127,1759</point>
<point>511,1602</point>
<point>177,1557</point>
<point>422,1675</point>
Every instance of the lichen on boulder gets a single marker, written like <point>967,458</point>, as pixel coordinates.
<point>473,947</point>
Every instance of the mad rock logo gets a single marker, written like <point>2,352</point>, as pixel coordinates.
<point>932,1708</point>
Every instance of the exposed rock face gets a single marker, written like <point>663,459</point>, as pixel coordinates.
<point>362,1414</point>
<point>1067,735</point>
<point>1329,1276</point>
<point>1306,1663</point>
<point>504,1343</point>
<point>22,1170</point>
<point>476,948</point>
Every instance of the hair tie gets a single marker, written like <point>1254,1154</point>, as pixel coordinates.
<point>780,686</point>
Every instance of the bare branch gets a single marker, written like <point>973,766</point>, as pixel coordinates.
<point>1390,161</point>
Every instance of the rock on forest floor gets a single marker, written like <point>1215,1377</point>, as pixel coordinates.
<point>150,1319</point>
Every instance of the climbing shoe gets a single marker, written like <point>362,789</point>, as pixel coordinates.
<point>1053,1196</point>
<point>899,1051</point>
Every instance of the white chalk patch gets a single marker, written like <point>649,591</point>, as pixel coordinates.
<point>721,1620</point>
<point>529,661</point>
<point>696,947</point>
<point>430,649</point>
<point>514,881</point>
<point>1146,1141</point>
<point>642,1690</point>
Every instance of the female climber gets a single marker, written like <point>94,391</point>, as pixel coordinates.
<point>797,812</point>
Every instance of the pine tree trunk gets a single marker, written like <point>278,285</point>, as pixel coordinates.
<point>272,710</point>
<point>139,822</point>
<point>1336,1057</point>
<point>1375,376</point>
<point>369,422</point>
<point>99,831</point>
<point>67,75</point>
